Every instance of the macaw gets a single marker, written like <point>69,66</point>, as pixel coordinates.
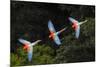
<point>53,34</point>
<point>29,47</point>
<point>76,26</point>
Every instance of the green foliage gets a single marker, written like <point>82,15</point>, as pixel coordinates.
<point>16,60</point>
<point>43,54</point>
<point>19,58</point>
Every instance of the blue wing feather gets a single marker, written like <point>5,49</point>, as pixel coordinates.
<point>57,40</point>
<point>24,41</point>
<point>77,32</point>
<point>72,20</point>
<point>30,54</point>
<point>51,27</point>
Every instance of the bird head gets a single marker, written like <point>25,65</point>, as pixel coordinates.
<point>73,26</point>
<point>26,47</point>
<point>51,36</point>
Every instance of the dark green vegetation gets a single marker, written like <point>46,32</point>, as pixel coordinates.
<point>29,21</point>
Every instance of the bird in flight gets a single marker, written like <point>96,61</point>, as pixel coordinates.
<point>29,47</point>
<point>76,26</point>
<point>53,34</point>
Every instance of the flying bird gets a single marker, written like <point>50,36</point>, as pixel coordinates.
<point>29,47</point>
<point>76,26</point>
<point>53,34</point>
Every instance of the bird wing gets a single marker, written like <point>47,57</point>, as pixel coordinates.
<point>78,28</point>
<point>77,31</point>
<point>72,20</point>
<point>30,53</point>
<point>51,27</point>
<point>24,41</point>
<point>57,40</point>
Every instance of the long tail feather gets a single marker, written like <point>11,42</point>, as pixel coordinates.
<point>36,42</point>
<point>61,30</point>
<point>83,22</point>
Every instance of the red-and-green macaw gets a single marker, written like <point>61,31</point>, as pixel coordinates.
<point>53,34</point>
<point>29,47</point>
<point>76,26</point>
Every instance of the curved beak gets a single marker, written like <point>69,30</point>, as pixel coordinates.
<point>49,36</point>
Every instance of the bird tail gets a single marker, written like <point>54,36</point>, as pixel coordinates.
<point>61,30</point>
<point>83,22</point>
<point>36,42</point>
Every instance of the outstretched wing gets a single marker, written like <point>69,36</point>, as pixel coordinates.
<point>77,31</point>
<point>51,27</point>
<point>72,20</point>
<point>30,53</point>
<point>57,40</point>
<point>24,41</point>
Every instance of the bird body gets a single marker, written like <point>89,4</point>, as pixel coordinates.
<point>28,47</point>
<point>53,34</point>
<point>76,26</point>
